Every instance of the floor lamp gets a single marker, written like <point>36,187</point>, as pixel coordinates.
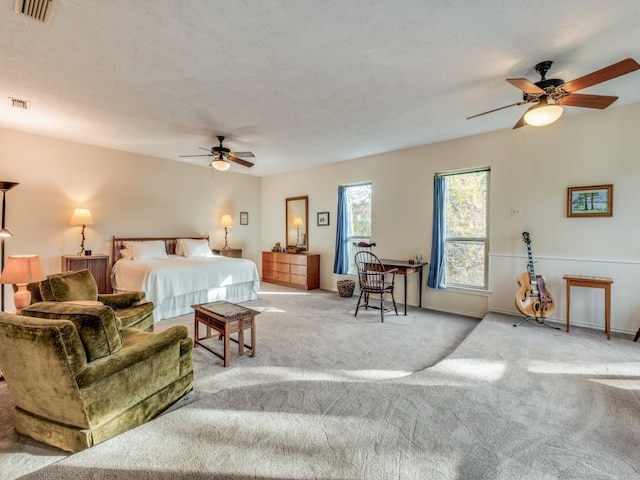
<point>4,233</point>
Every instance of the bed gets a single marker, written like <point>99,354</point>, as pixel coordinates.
<point>177,272</point>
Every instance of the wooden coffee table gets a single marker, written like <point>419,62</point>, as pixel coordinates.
<point>225,318</point>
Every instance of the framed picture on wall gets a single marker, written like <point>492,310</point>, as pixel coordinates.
<point>244,218</point>
<point>323,219</point>
<point>591,201</point>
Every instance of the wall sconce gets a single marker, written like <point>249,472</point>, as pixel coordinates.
<point>21,270</point>
<point>543,113</point>
<point>81,216</point>
<point>226,221</point>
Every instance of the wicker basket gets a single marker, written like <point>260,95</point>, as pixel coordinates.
<point>345,288</point>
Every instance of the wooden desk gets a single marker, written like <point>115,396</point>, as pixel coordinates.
<point>591,282</point>
<point>405,269</point>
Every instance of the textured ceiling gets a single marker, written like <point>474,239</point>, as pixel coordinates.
<point>299,82</point>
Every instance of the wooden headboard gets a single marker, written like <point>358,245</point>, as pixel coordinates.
<point>169,243</point>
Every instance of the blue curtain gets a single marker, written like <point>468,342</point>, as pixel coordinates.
<point>341,260</point>
<point>436,266</point>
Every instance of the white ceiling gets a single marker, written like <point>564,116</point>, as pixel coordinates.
<point>298,82</point>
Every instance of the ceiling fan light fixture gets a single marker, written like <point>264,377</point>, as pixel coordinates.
<point>220,163</point>
<point>543,114</point>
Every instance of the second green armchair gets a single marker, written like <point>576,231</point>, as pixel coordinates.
<point>130,308</point>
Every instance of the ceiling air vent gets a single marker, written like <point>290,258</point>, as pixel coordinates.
<point>40,10</point>
<point>17,103</point>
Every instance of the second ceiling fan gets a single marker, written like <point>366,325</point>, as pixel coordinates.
<point>222,156</point>
<point>549,95</point>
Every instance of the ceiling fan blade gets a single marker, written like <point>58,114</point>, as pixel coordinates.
<point>207,149</point>
<point>525,85</point>
<point>231,158</point>
<point>588,101</point>
<point>496,109</point>
<point>521,122</point>
<point>187,156</point>
<point>243,154</point>
<point>607,73</point>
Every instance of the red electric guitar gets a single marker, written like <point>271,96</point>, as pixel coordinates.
<point>533,299</point>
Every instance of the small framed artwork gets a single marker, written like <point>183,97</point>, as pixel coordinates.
<point>244,218</point>
<point>323,219</point>
<point>591,201</point>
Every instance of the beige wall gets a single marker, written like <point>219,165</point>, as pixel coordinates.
<point>128,194</point>
<point>530,170</point>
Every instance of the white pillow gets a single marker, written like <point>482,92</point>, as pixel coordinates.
<point>126,253</point>
<point>147,250</point>
<point>194,248</point>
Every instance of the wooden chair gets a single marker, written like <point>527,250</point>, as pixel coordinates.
<point>374,279</point>
<point>364,247</point>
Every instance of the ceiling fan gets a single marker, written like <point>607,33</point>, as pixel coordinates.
<point>549,95</point>
<point>222,156</point>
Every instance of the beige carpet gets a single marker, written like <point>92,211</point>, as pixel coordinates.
<point>331,396</point>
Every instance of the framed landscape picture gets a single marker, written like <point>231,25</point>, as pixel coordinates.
<point>244,218</point>
<point>591,201</point>
<point>323,219</point>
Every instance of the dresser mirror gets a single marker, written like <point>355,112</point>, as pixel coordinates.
<point>297,222</point>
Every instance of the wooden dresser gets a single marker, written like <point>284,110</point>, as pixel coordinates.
<point>297,270</point>
<point>97,264</point>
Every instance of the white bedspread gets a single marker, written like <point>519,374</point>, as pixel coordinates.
<point>177,275</point>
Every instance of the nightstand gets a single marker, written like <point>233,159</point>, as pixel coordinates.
<point>98,265</point>
<point>228,252</point>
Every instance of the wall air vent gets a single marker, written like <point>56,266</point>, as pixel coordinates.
<point>40,10</point>
<point>17,103</point>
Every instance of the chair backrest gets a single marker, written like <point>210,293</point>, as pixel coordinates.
<point>365,246</point>
<point>40,358</point>
<point>371,271</point>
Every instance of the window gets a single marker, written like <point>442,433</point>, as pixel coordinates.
<point>353,225</point>
<point>466,233</point>
<point>358,210</point>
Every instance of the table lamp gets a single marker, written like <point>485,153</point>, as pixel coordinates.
<point>226,221</point>
<point>81,216</point>
<point>21,270</point>
<point>297,222</point>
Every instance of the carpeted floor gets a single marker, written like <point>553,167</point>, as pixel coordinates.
<point>332,396</point>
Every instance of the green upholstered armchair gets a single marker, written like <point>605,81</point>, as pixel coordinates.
<point>79,379</point>
<point>80,286</point>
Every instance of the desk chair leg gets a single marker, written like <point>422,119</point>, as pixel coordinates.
<point>358,305</point>
<point>635,339</point>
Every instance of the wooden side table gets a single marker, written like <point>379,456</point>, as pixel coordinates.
<point>225,318</point>
<point>228,252</point>
<point>97,264</point>
<point>591,282</point>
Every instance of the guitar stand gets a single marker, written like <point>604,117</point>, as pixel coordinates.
<point>526,319</point>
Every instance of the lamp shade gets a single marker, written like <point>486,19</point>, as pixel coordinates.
<point>297,222</point>
<point>543,114</point>
<point>226,221</point>
<point>22,269</point>
<point>220,164</point>
<point>5,233</point>
<point>81,216</point>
